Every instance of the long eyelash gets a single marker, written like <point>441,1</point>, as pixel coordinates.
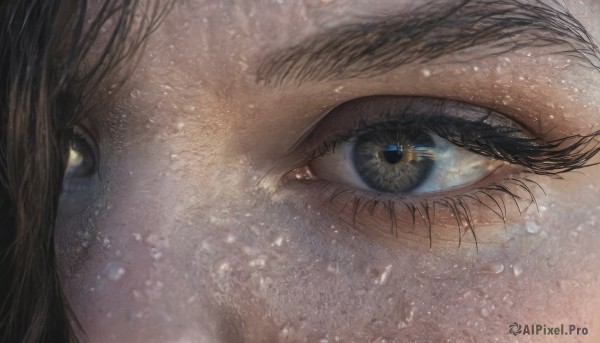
<point>539,157</point>
<point>506,143</point>
<point>502,143</point>
<point>424,210</point>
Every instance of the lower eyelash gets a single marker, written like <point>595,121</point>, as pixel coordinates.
<point>519,191</point>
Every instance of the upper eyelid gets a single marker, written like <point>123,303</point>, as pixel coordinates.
<point>397,106</point>
<point>539,156</point>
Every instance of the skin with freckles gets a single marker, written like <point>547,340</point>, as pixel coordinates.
<point>196,233</point>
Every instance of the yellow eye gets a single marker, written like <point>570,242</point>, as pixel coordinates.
<point>82,160</point>
<point>75,159</point>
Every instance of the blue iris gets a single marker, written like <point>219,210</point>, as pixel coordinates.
<point>394,161</point>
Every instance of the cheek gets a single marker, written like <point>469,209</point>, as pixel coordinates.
<point>188,249</point>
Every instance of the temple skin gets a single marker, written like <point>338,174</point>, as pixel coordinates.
<point>193,234</point>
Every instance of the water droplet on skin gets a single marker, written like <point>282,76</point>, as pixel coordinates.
<point>507,300</point>
<point>492,268</point>
<point>258,263</point>
<point>189,109</point>
<point>407,317</point>
<point>155,253</point>
<point>302,173</point>
<point>333,269</point>
<point>517,270</point>
<point>277,242</point>
<point>230,239</point>
<point>384,275</point>
<point>114,272</point>
<point>532,227</point>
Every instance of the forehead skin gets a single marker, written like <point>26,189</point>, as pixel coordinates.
<point>194,239</point>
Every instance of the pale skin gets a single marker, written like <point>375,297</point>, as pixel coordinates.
<point>195,234</point>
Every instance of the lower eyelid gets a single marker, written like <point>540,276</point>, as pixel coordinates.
<point>493,203</point>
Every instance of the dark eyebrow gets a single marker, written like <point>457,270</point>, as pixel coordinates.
<point>474,28</point>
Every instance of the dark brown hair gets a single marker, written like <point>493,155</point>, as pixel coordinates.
<point>48,78</point>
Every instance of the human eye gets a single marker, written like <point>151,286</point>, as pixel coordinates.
<point>430,162</point>
<point>81,179</point>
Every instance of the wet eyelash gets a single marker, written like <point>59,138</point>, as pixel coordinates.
<point>491,198</point>
<point>503,143</point>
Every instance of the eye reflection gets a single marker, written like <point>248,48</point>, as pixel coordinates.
<point>81,162</point>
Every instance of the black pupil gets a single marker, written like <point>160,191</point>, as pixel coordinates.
<point>393,153</point>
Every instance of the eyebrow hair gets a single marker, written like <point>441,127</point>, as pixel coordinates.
<point>477,28</point>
